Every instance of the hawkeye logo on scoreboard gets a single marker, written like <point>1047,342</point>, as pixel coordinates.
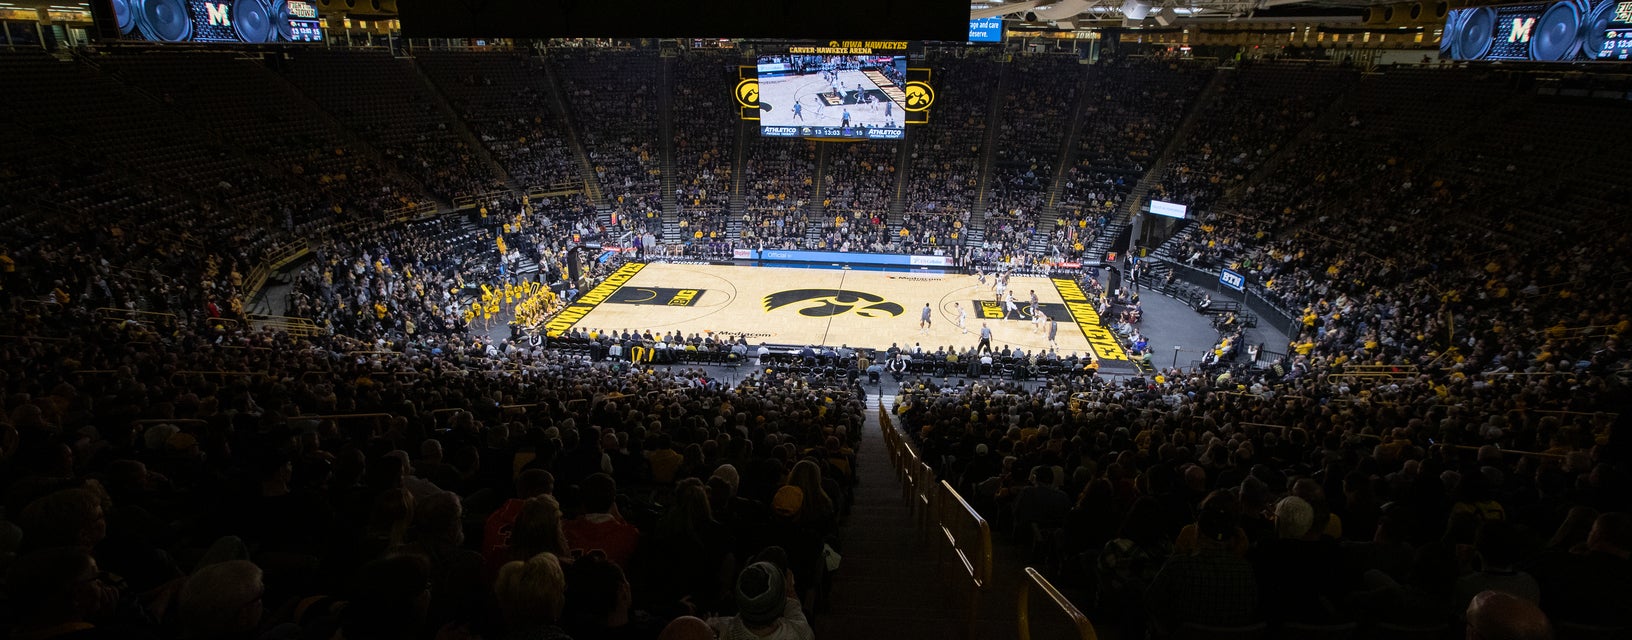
<point>656,296</point>
<point>834,302</point>
<point>587,302</point>
<point>1082,312</point>
<point>919,96</point>
<point>748,93</point>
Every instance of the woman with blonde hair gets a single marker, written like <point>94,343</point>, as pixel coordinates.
<point>818,507</point>
<point>531,594</point>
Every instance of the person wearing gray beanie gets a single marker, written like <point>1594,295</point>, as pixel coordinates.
<point>767,608</point>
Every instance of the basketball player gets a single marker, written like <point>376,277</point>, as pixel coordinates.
<point>798,110</point>
<point>1008,305</point>
<point>1053,332</point>
<point>923,320</point>
<point>963,317</point>
<point>980,276</point>
<point>1001,287</point>
<point>889,107</point>
<point>846,122</point>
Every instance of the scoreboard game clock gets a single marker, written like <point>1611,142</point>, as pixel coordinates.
<point>843,90</point>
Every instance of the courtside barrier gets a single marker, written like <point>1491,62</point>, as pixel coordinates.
<point>1035,580</point>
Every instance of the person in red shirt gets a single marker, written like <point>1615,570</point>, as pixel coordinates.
<point>601,528</point>
<point>496,531</point>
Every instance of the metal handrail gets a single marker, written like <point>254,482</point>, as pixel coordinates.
<point>1085,629</point>
<point>977,558</point>
<point>978,565</point>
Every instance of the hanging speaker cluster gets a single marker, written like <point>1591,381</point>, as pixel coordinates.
<point>1566,30</point>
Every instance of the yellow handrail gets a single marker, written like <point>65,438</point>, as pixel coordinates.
<point>1085,629</point>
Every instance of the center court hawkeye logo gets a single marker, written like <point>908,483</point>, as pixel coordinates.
<point>834,302</point>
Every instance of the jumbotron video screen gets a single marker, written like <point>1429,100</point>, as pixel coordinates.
<point>832,96</point>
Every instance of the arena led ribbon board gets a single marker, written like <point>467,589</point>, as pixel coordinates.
<point>217,21</point>
<point>1563,31</point>
<point>844,90</point>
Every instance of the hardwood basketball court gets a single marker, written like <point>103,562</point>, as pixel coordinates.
<point>800,306</point>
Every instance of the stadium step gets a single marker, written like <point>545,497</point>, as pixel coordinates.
<point>458,127</point>
<point>592,182</point>
<point>1157,170</point>
<point>988,158</point>
<point>1049,217</point>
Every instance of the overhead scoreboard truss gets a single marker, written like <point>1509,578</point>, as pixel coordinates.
<point>915,96</point>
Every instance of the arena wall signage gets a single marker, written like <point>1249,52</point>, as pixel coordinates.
<point>1232,280</point>
<point>1562,31</point>
<point>1082,312</point>
<point>985,30</point>
<point>587,302</point>
<point>840,257</point>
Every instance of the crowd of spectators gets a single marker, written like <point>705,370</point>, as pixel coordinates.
<point>942,187</point>
<point>1259,109</point>
<point>384,103</point>
<point>778,183</point>
<point>204,484</point>
<point>859,184</point>
<point>1175,500</point>
<point>705,125</point>
<point>614,100</point>
<point>506,101</point>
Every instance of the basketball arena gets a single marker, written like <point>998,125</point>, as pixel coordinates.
<point>518,320</point>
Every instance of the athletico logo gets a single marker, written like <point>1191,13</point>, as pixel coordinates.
<point>833,302</point>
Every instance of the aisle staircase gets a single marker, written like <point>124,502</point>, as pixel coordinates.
<point>902,578</point>
<point>988,157</point>
<point>1049,217</point>
<point>1111,237</point>
<point>592,182</point>
<point>739,166</point>
<point>665,137</point>
<point>903,169</point>
<point>816,209</point>
<point>457,125</point>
